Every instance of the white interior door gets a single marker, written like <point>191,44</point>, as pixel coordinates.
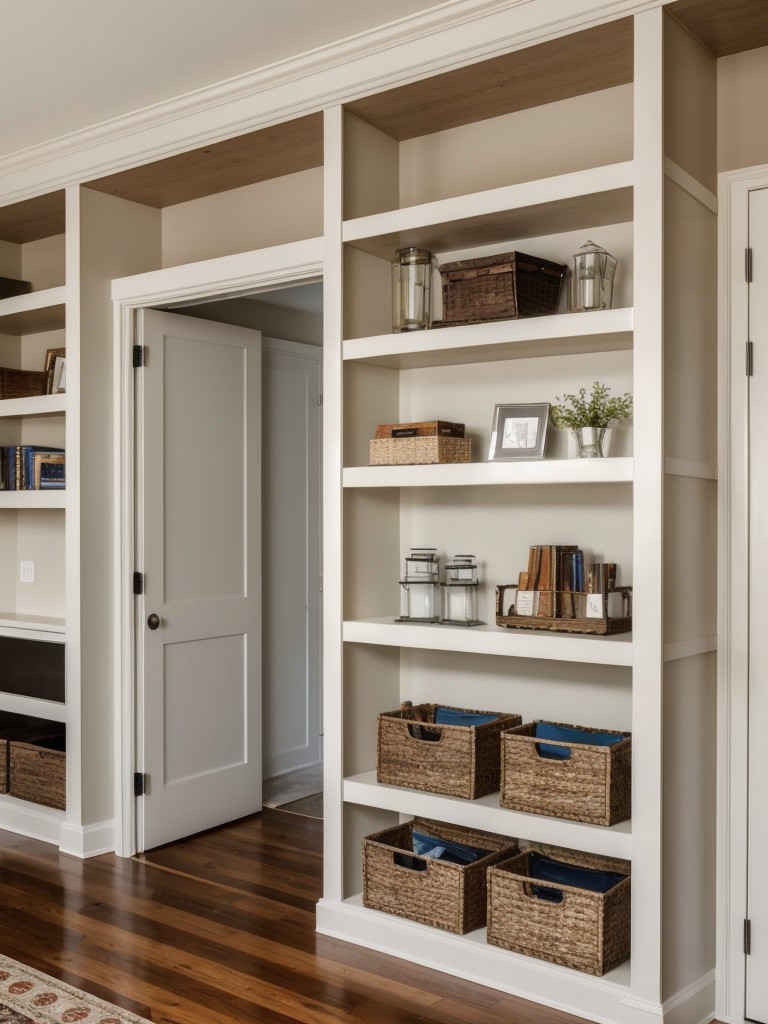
<point>757,842</point>
<point>291,463</point>
<point>199,549</point>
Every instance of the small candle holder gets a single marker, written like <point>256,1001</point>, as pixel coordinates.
<point>411,289</point>
<point>420,587</point>
<point>460,591</point>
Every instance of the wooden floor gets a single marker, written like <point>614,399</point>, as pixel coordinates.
<point>219,929</point>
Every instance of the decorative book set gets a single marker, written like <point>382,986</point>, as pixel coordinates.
<point>562,593</point>
<point>31,467</point>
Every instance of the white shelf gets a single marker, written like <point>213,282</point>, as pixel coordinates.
<point>565,202</point>
<point>492,639</point>
<point>38,405</point>
<point>49,627</point>
<point>32,820</point>
<point>486,814</point>
<point>474,474</point>
<point>561,334</point>
<point>51,710</point>
<point>55,498</point>
<point>470,957</point>
<point>34,312</point>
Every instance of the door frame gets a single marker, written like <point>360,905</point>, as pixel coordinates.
<point>733,602</point>
<point>222,278</point>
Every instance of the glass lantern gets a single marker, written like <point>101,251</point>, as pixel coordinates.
<point>420,587</point>
<point>592,279</point>
<point>460,592</point>
<point>411,289</point>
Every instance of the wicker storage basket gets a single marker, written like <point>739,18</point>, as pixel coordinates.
<point>502,287</point>
<point>22,383</point>
<point>39,771</point>
<point>443,895</point>
<point>16,733</point>
<point>459,760</point>
<point>594,784</point>
<point>587,931</point>
<point>419,451</point>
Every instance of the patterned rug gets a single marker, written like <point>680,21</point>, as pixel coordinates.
<point>28,997</point>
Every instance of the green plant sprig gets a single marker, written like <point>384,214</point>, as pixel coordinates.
<point>598,409</point>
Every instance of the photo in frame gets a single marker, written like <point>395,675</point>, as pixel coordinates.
<point>519,432</point>
<point>50,366</point>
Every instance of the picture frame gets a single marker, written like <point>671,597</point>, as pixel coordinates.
<point>51,356</point>
<point>519,432</point>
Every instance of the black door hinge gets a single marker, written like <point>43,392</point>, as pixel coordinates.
<point>138,356</point>
<point>138,583</point>
<point>750,358</point>
<point>140,782</point>
<point>747,936</point>
<point>748,265</point>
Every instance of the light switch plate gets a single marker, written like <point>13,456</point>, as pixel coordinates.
<point>27,572</point>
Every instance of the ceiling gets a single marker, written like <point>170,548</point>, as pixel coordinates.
<point>69,64</point>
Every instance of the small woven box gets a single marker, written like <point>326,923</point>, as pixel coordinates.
<point>502,287</point>
<point>587,931</point>
<point>38,771</point>
<point>458,760</point>
<point>594,784</point>
<point>419,451</point>
<point>444,895</point>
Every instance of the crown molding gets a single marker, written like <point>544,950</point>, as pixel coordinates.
<point>452,35</point>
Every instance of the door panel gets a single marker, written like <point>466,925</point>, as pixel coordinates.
<point>757,879</point>
<point>199,545</point>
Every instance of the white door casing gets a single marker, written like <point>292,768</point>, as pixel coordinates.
<point>291,472</point>
<point>199,546</point>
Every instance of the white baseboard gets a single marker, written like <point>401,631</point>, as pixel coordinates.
<point>89,840</point>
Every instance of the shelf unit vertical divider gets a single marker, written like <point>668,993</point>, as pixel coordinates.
<point>333,702</point>
<point>647,510</point>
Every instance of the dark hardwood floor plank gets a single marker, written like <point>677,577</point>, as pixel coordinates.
<point>220,929</point>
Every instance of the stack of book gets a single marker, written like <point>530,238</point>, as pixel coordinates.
<point>32,467</point>
<point>561,590</point>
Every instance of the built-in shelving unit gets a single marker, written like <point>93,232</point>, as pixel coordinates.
<point>612,507</point>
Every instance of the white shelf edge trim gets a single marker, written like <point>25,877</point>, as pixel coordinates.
<point>607,999</point>
<point>51,710</point>
<point>491,639</point>
<point>543,471</point>
<point>502,333</point>
<point>690,648</point>
<point>55,498</point>
<point>486,814</point>
<point>592,181</point>
<point>43,299</point>
<point>697,470</point>
<point>37,405</point>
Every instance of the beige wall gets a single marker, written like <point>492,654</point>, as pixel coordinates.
<point>742,85</point>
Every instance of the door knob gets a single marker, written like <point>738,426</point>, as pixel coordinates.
<point>153,621</point>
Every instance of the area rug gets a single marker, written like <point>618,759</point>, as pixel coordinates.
<point>29,997</point>
<point>294,785</point>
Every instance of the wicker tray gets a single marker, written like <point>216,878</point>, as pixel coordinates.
<point>557,624</point>
<point>587,931</point>
<point>443,895</point>
<point>593,785</point>
<point>39,771</point>
<point>22,383</point>
<point>419,451</point>
<point>503,287</point>
<point>464,761</point>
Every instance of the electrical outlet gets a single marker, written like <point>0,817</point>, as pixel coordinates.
<point>27,572</point>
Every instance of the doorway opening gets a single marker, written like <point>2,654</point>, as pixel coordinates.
<point>287,310</point>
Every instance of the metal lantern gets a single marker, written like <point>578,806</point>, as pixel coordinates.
<point>420,587</point>
<point>460,592</point>
<point>411,289</point>
<point>592,279</point>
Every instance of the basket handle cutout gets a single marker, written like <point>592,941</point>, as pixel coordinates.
<point>543,893</point>
<point>566,752</point>
<point>428,733</point>
<point>409,863</point>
